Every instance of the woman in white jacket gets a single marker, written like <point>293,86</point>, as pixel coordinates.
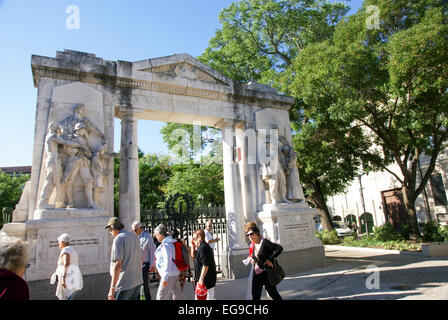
<point>67,274</point>
<point>169,273</point>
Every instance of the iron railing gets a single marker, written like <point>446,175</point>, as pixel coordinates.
<point>181,213</point>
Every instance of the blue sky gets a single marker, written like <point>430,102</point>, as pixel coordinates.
<point>113,30</point>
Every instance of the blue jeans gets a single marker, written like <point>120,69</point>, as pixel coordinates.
<point>131,294</point>
<point>72,296</point>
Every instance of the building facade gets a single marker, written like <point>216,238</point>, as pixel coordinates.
<point>376,198</point>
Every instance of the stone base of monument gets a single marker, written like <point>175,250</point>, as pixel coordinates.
<point>292,226</point>
<point>87,233</point>
<point>96,287</point>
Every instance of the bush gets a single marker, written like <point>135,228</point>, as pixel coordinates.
<point>328,237</point>
<point>433,232</point>
<point>372,242</point>
<point>386,232</point>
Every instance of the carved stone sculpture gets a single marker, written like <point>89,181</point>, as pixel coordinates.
<point>289,156</point>
<point>78,116</point>
<point>53,142</point>
<point>99,171</point>
<point>78,163</point>
<point>74,155</point>
<point>273,174</point>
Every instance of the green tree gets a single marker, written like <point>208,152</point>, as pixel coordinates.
<point>11,187</point>
<point>205,182</point>
<point>391,81</point>
<point>259,38</point>
<point>154,173</point>
<point>259,41</point>
<point>188,142</point>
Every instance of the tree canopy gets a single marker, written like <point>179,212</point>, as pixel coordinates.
<point>391,81</point>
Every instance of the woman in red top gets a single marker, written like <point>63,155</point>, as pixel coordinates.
<point>14,257</point>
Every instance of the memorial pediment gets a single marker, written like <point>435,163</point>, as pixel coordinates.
<point>182,66</point>
<point>183,70</point>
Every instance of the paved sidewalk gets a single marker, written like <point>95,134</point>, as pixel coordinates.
<point>349,273</point>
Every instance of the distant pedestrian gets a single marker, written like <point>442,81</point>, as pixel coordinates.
<point>355,228</point>
<point>148,255</point>
<point>169,274</point>
<point>209,238</point>
<point>126,263</point>
<point>14,257</point>
<point>68,275</point>
<point>262,253</point>
<point>204,264</point>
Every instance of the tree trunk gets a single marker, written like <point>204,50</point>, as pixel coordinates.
<point>409,197</point>
<point>318,199</point>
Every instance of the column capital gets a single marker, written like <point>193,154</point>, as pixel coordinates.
<point>227,124</point>
<point>128,112</point>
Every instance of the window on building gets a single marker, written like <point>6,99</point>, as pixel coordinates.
<point>438,189</point>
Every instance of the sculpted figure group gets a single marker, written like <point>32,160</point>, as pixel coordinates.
<point>68,156</point>
<point>280,174</point>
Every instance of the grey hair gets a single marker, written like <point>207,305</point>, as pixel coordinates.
<point>136,225</point>
<point>64,238</point>
<point>161,229</point>
<point>14,253</point>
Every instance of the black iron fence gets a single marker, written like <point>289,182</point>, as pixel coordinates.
<point>181,213</point>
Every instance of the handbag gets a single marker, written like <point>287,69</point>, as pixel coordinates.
<point>275,275</point>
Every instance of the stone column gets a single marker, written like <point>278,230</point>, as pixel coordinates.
<point>232,189</point>
<point>246,141</point>
<point>237,246</point>
<point>129,176</point>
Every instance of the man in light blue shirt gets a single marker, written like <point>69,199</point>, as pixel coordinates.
<point>169,273</point>
<point>148,250</point>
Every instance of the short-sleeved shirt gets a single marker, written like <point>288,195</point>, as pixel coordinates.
<point>148,248</point>
<point>73,255</point>
<point>126,247</point>
<point>204,257</point>
<point>208,237</point>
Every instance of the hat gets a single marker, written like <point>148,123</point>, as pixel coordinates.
<point>114,223</point>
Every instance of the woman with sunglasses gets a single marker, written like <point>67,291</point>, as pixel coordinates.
<point>204,264</point>
<point>263,252</point>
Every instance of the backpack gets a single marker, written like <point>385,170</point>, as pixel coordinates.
<point>181,256</point>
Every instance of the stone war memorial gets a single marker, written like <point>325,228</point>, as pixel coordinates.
<point>71,186</point>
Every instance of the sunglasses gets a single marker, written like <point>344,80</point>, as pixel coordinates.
<point>250,234</point>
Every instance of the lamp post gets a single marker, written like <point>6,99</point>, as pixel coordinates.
<point>363,204</point>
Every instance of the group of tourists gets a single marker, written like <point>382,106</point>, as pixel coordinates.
<point>134,256</point>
